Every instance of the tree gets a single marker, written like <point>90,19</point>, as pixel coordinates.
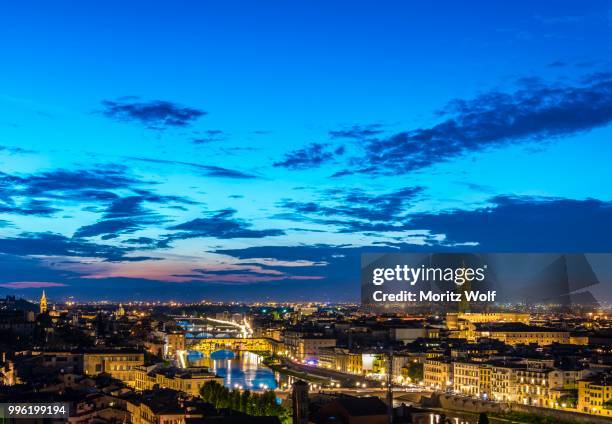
<point>483,419</point>
<point>415,371</point>
<point>245,398</point>
<point>257,404</point>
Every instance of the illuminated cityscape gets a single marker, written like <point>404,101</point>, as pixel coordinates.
<point>138,356</point>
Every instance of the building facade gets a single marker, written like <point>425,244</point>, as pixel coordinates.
<point>188,381</point>
<point>119,364</point>
<point>595,395</point>
<point>437,374</point>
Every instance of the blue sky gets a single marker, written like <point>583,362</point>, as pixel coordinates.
<point>252,150</point>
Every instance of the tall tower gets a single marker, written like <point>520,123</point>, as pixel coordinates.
<point>300,402</point>
<point>43,303</point>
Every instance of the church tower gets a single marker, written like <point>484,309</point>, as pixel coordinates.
<point>43,303</point>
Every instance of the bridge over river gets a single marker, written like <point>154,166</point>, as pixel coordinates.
<point>206,327</point>
<point>209,345</point>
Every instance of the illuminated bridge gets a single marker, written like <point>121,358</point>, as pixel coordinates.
<point>208,346</point>
<point>201,328</point>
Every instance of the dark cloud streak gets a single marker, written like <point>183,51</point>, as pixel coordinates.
<point>311,156</point>
<point>220,224</point>
<point>529,224</point>
<point>51,244</point>
<point>355,210</point>
<point>358,132</point>
<point>206,170</point>
<point>537,112</point>
<point>154,114</point>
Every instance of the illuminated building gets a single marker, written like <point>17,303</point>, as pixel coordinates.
<point>189,380</point>
<point>174,342</point>
<point>305,345</point>
<point>119,364</point>
<point>164,406</point>
<point>533,387</point>
<point>437,374</point>
<point>351,362</point>
<point>595,395</point>
<point>515,334</point>
<point>503,382</point>
<point>466,378</point>
<point>454,321</point>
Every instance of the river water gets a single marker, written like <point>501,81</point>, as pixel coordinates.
<point>238,371</point>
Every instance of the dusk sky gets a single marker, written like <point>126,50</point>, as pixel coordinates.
<point>252,150</point>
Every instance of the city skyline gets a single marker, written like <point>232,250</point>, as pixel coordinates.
<point>254,151</point>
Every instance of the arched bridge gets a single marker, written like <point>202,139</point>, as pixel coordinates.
<point>207,346</point>
<point>206,325</point>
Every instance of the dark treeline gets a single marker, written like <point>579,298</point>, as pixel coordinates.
<point>263,404</point>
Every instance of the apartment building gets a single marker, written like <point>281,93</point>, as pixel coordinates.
<point>503,382</point>
<point>437,374</point>
<point>466,378</point>
<point>595,394</point>
<point>347,361</point>
<point>303,346</point>
<point>164,406</point>
<point>533,386</point>
<point>119,364</point>
<point>188,380</point>
<point>174,342</point>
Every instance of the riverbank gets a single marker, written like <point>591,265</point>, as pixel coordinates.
<point>282,368</point>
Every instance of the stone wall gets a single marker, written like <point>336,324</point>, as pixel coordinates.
<point>459,403</point>
<point>561,414</point>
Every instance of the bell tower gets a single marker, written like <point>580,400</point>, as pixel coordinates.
<point>43,303</point>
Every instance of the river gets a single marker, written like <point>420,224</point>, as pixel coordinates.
<point>238,371</point>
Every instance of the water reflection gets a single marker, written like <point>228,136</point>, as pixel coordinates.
<point>238,371</point>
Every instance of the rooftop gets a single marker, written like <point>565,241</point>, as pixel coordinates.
<point>518,327</point>
<point>362,406</point>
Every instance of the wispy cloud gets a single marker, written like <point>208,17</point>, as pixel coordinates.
<point>38,194</point>
<point>537,112</point>
<point>51,244</point>
<point>210,136</point>
<point>511,223</point>
<point>206,170</point>
<point>154,114</point>
<point>358,132</point>
<point>244,273</point>
<point>14,150</point>
<point>355,210</point>
<point>128,214</point>
<point>28,207</point>
<point>311,156</point>
<point>222,224</point>
<point>30,284</point>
